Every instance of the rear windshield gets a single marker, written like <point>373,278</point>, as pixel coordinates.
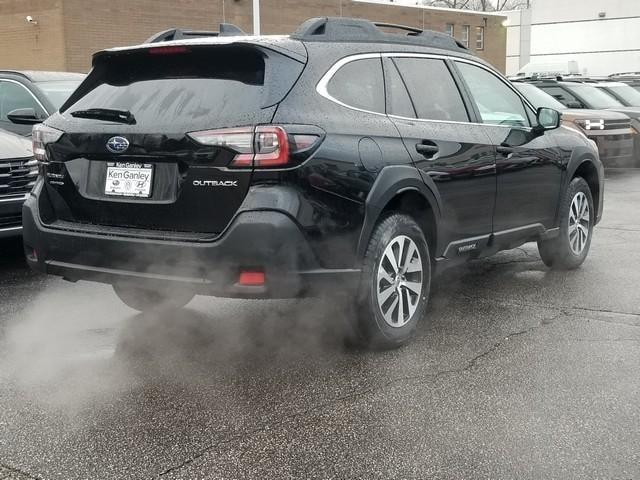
<point>203,88</point>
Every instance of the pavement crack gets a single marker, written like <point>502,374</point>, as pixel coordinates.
<point>286,418</point>
<point>13,470</point>
<point>620,229</point>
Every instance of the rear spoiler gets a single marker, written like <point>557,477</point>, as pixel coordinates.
<point>226,30</point>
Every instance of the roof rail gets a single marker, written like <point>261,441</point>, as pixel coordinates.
<point>625,74</point>
<point>341,29</point>
<point>226,30</point>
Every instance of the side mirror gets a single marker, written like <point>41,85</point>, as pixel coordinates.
<point>24,116</point>
<point>548,118</point>
<point>573,105</point>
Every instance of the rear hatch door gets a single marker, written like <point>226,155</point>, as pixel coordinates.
<point>128,157</point>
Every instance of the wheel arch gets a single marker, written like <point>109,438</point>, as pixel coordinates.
<point>402,188</point>
<point>583,164</point>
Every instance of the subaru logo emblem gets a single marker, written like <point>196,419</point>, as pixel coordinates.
<point>117,144</point>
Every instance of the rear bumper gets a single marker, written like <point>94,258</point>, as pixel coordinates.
<point>267,240</point>
<point>11,216</point>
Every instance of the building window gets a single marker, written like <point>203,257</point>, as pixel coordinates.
<point>479,38</point>
<point>448,29</point>
<point>465,35</point>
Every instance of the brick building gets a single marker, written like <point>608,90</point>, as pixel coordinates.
<point>64,33</point>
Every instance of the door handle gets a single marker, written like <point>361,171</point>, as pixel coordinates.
<point>427,148</point>
<point>505,149</point>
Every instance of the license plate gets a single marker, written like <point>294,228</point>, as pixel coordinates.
<point>129,179</point>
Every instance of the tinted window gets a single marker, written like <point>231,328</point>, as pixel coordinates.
<point>595,97</point>
<point>563,96</point>
<point>205,88</point>
<point>359,84</point>
<point>496,102</point>
<point>13,96</point>
<point>58,91</point>
<point>398,99</point>
<point>432,89</point>
<point>538,97</point>
<point>629,95</point>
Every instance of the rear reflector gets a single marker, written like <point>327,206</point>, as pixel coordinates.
<point>251,278</point>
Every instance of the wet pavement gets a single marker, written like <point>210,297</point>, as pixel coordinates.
<point>517,372</point>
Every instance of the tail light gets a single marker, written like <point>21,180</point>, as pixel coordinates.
<point>264,146</point>
<point>41,136</point>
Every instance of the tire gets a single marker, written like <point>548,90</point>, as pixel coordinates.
<point>378,321</point>
<point>569,249</point>
<point>147,298</point>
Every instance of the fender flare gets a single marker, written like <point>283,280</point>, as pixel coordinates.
<point>579,155</point>
<point>390,182</point>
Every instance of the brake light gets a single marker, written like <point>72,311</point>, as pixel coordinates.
<point>264,146</point>
<point>41,136</point>
<point>174,50</point>
<point>272,147</point>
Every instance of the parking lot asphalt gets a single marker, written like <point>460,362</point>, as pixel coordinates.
<point>517,372</point>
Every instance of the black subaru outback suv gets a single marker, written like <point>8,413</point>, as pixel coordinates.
<point>340,157</point>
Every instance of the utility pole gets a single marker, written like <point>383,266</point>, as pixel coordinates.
<point>256,17</point>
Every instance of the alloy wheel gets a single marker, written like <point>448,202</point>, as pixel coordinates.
<point>579,220</point>
<point>399,281</point>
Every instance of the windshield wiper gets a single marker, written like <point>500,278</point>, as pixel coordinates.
<point>120,116</point>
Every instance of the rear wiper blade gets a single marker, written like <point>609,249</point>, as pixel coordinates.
<point>121,116</point>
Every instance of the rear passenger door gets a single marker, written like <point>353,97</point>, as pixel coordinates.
<point>428,109</point>
<point>529,165</point>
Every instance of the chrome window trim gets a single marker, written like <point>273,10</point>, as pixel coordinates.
<point>321,87</point>
<point>29,91</point>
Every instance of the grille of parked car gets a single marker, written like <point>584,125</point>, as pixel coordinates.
<point>17,176</point>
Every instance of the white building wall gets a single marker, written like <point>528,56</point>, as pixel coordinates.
<point>573,30</point>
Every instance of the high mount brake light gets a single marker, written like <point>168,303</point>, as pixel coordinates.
<point>168,50</point>
<point>264,146</point>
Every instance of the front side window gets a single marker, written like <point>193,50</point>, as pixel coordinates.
<point>433,91</point>
<point>479,38</point>
<point>563,96</point>
<point>496,102</point>
<point>14,96</point>
<point>594,97</point>
<point>359,84</point>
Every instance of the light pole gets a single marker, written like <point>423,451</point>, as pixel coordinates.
<point>256,17</point>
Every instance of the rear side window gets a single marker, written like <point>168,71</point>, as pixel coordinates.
<point>433,91</point>
<point>202,88</point>
<point>359,84</point>
<point>398,101</point>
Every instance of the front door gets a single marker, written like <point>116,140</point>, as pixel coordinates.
<point>529,167</point>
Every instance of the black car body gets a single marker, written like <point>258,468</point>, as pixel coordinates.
<point>29,97</point>
<point>611,131</point>
<point>278,164</point>
<point>18,172</point>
